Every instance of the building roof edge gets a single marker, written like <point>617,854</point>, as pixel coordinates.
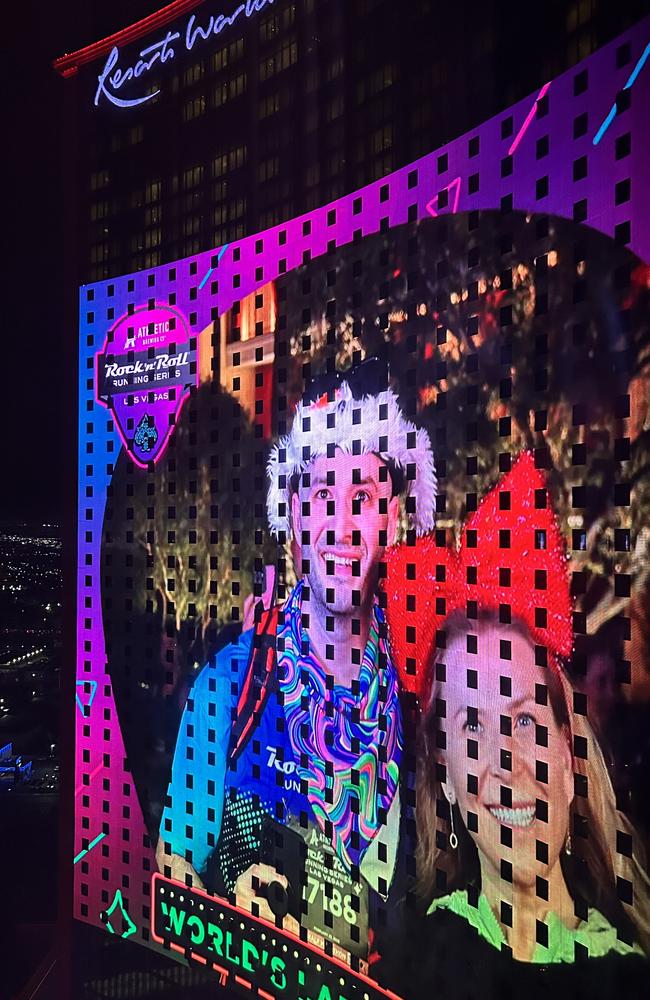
<point>68,64</point>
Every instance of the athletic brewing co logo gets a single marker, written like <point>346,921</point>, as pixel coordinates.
<point>144,373</point>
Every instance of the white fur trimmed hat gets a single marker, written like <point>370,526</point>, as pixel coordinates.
<point>372,424</point>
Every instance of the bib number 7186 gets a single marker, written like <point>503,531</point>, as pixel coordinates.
<point>333,901</point>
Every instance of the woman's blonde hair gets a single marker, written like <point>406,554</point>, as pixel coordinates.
<point>606,869</point>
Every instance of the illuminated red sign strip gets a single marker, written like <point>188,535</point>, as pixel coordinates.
<point>114,75</point>
<point>69,64</point>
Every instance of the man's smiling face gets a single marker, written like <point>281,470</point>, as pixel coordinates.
<point>343,517</point>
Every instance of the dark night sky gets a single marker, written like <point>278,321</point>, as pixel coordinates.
<point>33,354</point>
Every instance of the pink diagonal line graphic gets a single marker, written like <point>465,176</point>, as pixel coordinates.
<point>432,207</point>
<point>527,120</point>
<point>80,788</point>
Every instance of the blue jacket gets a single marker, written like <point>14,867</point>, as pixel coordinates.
<point>215,810</point>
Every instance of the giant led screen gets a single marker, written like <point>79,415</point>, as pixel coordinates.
<point>363,675</point>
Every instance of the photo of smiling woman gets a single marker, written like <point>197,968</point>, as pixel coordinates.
<point>522,853</point>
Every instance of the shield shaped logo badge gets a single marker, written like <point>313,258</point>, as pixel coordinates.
<point>144,374</point>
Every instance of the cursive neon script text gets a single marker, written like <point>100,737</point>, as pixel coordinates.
<point>113,77</point>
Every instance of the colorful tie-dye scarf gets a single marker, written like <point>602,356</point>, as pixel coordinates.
<point>342,730</point>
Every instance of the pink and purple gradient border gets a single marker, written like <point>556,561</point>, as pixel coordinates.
<point>413,191</point>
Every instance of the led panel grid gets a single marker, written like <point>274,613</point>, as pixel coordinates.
<point>508,233</point>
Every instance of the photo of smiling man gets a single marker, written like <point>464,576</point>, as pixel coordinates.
<point>289,790</point>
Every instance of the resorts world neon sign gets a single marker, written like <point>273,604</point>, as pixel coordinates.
<point>113,77</point>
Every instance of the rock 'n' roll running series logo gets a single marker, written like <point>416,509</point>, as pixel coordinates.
<point>144,373</point>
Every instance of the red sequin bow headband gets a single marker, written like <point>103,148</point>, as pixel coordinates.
<point>511,561</point>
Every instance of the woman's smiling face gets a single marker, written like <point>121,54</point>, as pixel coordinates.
<point>509,764</point>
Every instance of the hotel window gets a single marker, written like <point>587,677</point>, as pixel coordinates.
<point>194,108</point>
<point>191,246</point>
<point>334,190</point>
<point>152,191</point>
<point>191,225</point>
<point>282,58</point>
<point>381,167</point>
<point>220,59</point>
<point>220,165</point>
<point>220,95</point>
<point>381,139</point>
<point>226,55</point>
<point>269,218</point>
<point>152,259</point>
<point>336,163</point>
<point>380,80</point>
<point>334,68</point>
<point>100,179</point>
<point>192,177</point>
<point>271,26</point>
<point>99,253</point>
<point>579,13</point>
<point>236,209</point>
<point>237,157</point>
<point>99,210</point>
<point>236,49</point>
<point>153,92</point>
<point>228,90</point>
<point>193,74</point>
<point>269,105</point>
<point>238,86</point>
<point>136,135</point>
<point>152,238</point>
<point>191,201</point>
<point>153,215</point>
<point>384,78</point>
<point>312,174</point>
<point>268,169</point>
<point>335,108</point>
<point>580,46</point>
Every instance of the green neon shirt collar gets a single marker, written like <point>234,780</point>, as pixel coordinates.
<point>595,934</point>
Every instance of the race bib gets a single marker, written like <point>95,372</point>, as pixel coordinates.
<point>334,905</point>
